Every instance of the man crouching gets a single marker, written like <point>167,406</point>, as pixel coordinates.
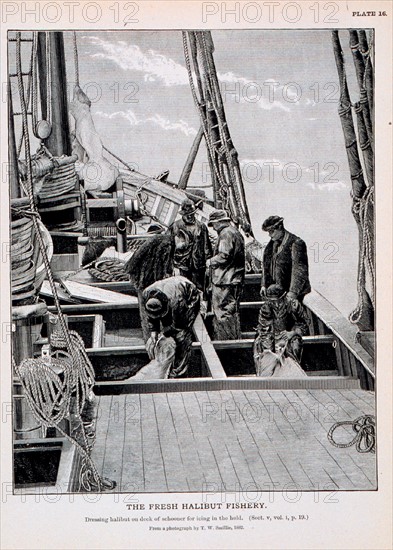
<point>278,344</point>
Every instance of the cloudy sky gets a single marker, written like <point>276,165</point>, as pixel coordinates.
<point>280,92</point>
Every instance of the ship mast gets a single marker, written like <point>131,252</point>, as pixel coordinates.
<point>53,91</point>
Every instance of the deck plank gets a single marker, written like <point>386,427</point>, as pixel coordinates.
<point>294,431</point>
<point>248,446</point>
<point>154,465</point>
<point>268,445</point>
<point>133,474</point>
<point>339,466</point>
<point>212,477</point>
<point>218,437</point>
<point>102,426</point>
<point>112,465</point>
<point>188,447</point>
<point>240,459</point>
<point>169,443</point>
<point>232,440</point>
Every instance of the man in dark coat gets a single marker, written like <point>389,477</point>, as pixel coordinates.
<point>285,261</point>
<point>227,277</point>
<point>191,243</point>
<point>171,306</point>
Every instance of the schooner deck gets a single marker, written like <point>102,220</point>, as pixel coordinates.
<point>238,440</point>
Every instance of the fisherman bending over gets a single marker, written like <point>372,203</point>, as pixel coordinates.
<point>171,306</point>
<point>190,239</point>
<point>227,277</point>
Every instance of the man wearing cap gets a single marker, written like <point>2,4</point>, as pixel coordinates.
<point>191,245</point>
<point>285,261</point>
<point>227,277</point>
<point>281,325</point>
<point>171,306</point>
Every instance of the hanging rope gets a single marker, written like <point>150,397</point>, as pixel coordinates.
<point>76,59</point>
<point>119,159</point>
<point>34,98</point>
<point>362,208</point>
<point>77,356</point>
<point>365,437</point>
<point>48,78</point>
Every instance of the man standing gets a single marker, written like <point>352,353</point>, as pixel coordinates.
<point>227,277</point>
<point>285,261</point>
<point>171,306</point>
<point>190,239</point>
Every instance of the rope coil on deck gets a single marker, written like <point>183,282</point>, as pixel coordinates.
<point>365,438</point>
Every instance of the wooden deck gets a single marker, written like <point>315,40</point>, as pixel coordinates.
<point>249,440</point>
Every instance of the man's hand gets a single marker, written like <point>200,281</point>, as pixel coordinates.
<point>291,296</point>
<point>151,344</point>
<point>208,264</point>
<point>263,292</point>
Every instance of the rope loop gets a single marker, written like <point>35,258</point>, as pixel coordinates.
<point>365,438</point>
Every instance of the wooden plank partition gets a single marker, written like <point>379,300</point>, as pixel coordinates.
<point>351,358</point>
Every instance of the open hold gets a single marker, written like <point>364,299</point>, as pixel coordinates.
<point>36,464</point>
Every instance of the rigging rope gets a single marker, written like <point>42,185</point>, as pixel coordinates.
<point>77,356</point>
<point>76,59</point>
<point>34,99</point>
<point>48,78</point>
<point>362,207</point>
<point>364,440</point>
<point>210,146</point>
<point>225,156</point>
<point>118,158</point>
<point>362,195</point>
<point>228,152</point>
<point>30,91</point>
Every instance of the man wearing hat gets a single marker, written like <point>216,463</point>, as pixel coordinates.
<point>171,306</point>
<point>227,277</point>
<point>191,244</point>
<point>285,261</point>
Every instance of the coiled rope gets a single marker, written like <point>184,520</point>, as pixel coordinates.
<point>109,269</point>
<point>365,438</point>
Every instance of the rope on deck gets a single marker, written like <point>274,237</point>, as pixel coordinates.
<point>365,437</point>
